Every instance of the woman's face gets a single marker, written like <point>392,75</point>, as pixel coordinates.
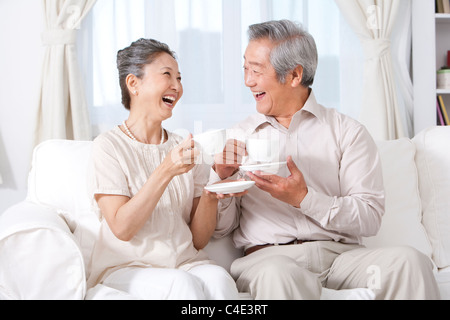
<point>160,88</point>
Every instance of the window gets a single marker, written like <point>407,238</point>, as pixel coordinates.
<point>210,38</point>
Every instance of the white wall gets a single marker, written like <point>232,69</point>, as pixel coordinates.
<point>21,52</point>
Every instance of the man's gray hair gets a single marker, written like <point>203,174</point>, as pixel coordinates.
<point>294,47</point>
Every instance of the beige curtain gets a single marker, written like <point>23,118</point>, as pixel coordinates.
<point>62,111</point>
<point>373,21</point>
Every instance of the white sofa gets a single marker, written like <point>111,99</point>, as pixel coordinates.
<point>46,240</point>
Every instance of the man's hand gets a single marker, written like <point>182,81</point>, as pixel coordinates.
<point>291,190</point>
<point>228,162</point>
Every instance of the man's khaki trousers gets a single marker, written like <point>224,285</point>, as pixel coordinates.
<point>293,272</point>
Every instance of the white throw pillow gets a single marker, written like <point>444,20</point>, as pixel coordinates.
<point>401,224</point>
<point>433,164</point>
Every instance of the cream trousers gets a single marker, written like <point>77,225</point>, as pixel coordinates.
<point>299,271</point>
<point>203,282</point>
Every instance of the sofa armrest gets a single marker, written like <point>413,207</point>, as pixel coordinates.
<point>39,258</point>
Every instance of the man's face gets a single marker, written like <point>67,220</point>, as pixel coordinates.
<point>260,76</point>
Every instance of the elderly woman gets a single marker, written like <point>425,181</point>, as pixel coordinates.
<point>148,192</point>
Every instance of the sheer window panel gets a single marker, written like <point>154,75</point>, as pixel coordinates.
<point>210,38</point>
<point>351,60</point>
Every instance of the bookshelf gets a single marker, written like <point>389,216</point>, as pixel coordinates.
<point>442,17</point>
<point>431,41</point>
<point>443,91</point>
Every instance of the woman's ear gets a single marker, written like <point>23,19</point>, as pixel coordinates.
<point>132,82</point>
<point>297,76</point>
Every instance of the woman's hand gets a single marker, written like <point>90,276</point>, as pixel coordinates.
<point>220,196</point>
<point>182,158</point>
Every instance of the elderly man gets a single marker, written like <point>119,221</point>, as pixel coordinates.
<point>302,231</point>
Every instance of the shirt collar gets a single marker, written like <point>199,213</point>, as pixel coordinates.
<point>311,106</point>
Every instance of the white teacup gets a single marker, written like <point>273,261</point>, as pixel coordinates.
<point>263,150</point>
<point>212,142</point>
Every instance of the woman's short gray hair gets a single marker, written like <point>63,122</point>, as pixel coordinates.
<point>132,60</point>
<point>294,47</point>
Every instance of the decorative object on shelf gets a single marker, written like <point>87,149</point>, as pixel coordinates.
<point>443,78</point>
<point>443,75</point>
<point>448,59</point>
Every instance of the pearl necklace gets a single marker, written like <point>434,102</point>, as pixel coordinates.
<point>129,134</point>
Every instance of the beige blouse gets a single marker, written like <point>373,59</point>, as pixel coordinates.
<point>121,166</point>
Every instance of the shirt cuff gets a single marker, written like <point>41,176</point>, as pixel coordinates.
<point>214,177</point>
<point>316,205</point>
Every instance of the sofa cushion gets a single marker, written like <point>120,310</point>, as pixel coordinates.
<point>401,224</point>
<point>223,251</point>
<point>443,281</point>
<point>58,179</point>
<point>433,164</point>
<point>58,175</point>
<point>39,258</point>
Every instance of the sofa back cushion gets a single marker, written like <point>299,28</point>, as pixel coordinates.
<point>401,224</point>
<point>58,179</point>
<point>433,164</point>
<point>58,175</point>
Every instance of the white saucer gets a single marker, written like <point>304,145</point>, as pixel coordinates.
<point>271,168</point>
<point>230,187</point>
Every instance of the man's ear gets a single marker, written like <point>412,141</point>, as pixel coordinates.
<point>297,76</point>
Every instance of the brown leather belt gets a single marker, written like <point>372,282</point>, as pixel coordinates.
<point>259,247</point>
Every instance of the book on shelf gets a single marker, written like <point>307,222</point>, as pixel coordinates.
<point>443,110</point>
<point>441,121</point>
<point>442,6</point>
